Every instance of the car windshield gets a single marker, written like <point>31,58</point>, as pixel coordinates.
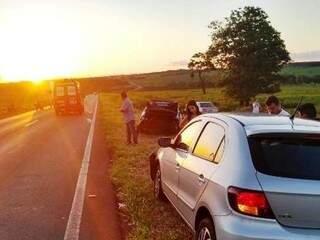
<point>72,91</point>
<point>59,91</point>
<point>292,156</point>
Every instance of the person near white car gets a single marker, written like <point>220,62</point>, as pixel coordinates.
<point>274,107</point>
<point>192,111</point>
<point>256,106</point>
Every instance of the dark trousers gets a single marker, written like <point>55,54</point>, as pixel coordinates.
<point>132,132</point>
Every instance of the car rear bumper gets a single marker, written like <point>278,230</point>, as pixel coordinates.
<point>236,227</point>
<point>159,126</point>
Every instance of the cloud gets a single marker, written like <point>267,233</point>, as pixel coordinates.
<point>179,64</point>
<point>306,56</point>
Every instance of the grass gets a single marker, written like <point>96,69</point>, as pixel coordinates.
<point>130,174</point>
<point>181,79</point>
<point>291,94</point>
<point>130,171</point>
<point>183,96</point>
<point>176,79</point>
<point>301,71</point>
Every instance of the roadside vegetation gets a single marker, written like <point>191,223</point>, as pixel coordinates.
<point>307,69</point>
<point>21,97</point>
<point>289,96</point>
<point>130,173</point>
<point>150,219</point>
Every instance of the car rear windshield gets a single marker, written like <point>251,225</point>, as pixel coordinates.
<point>206,104</point>
<point>287,155</point>
<point>59,91</point>
<point>72,91</point>
<point>162,104</point>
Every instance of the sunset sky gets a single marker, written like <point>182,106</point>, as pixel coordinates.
<point>43,39</point>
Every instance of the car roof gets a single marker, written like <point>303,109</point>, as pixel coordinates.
<point>254,123</point>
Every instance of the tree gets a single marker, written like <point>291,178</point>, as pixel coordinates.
<point>200,63</point>
<point>250,50</point>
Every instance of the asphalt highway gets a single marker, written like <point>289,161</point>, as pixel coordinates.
<point>40,159</point>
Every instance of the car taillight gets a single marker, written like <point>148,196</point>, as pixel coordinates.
<point>248,202</point>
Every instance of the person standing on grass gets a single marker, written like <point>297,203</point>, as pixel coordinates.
<point>129,118</point>
<point>274,107</point>
<point>192,111</point>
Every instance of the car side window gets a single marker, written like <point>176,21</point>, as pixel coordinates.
<point>185,139</point>
<point>210,145</point>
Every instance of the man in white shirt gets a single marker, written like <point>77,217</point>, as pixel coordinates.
<point>274,107</point>
<point>129,118</point>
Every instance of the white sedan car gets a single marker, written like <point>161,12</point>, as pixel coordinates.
<point>243,177</point>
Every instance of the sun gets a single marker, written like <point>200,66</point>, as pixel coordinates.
<point>36,81</point>
<point>37,47</point>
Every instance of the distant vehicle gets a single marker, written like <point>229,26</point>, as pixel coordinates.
<point>39,105</point>
<point>237,176</point>
<point>159,117</point>
<point>207,107</point>
<point>66,97</point>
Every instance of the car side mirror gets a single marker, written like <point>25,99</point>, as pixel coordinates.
<point>165,142</point>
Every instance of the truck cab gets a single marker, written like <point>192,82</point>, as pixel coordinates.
<point>67,98</point>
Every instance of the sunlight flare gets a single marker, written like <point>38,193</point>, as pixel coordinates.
<point>36,46</point>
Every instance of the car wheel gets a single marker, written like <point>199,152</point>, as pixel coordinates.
<point>205,230</point>
<point>157,186</point>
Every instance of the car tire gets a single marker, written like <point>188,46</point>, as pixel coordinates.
<point>157,186</point>
<point>205,230</point>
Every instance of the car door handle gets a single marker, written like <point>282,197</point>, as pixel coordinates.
<point>177,166</point>
<point>201,178</point>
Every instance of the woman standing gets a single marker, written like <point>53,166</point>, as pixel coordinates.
<point>192,111</point>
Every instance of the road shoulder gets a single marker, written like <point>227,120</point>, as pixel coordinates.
<point>100,214</point>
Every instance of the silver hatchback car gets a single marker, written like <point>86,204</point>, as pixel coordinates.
<point>237,176</point>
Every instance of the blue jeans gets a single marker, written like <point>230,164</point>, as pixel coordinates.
<point>132,132</point>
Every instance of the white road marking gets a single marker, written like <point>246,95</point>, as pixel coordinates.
<point>31,123</point>
<point>74,221</point>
